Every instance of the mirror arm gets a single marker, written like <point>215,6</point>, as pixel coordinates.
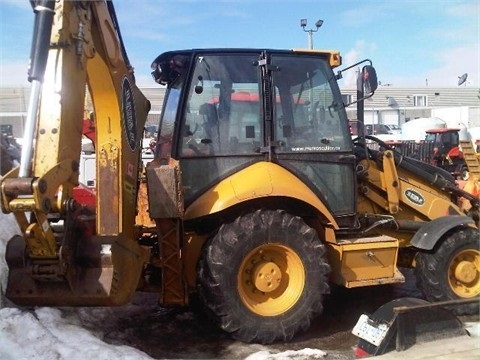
<point>339,72</point>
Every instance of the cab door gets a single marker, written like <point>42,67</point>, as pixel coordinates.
<point>311,130</point>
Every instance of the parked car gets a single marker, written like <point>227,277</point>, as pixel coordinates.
<point>379,129</point>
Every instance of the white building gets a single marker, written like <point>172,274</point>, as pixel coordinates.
<point>398,105</point>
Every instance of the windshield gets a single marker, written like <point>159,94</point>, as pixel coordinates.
<point>224,116</point>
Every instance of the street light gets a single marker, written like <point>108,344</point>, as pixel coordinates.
<point>318,24</point>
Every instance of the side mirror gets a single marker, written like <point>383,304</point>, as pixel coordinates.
<point>168,66</point>
<point>370,82</point>
<point>367,81</point>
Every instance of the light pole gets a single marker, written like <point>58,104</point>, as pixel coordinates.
<point>318,24</point>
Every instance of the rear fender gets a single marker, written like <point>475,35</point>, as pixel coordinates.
<point>429,234</point>
<point>260,180</point>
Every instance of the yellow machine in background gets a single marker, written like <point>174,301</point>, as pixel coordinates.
<point>257,197</point>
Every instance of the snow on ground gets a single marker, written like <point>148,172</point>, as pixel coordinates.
<point>289,354</point>
<point>52,333</point>
<point>48,333</point>
<point>473,328</point>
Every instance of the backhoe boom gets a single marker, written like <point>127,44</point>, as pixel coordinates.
<point>60,245</point>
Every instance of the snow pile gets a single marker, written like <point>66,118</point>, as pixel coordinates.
<point>473,328</point>
<point>303,354</point>
<point>48,333</point>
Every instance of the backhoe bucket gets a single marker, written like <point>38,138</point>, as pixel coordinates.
<point>100,271</point>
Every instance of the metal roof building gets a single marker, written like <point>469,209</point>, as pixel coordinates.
<point>397,105</point>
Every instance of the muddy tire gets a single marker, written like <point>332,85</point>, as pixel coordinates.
<point>452,270</point>
<point>262,278</point>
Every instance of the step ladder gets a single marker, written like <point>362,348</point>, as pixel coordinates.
<point>471,158</point>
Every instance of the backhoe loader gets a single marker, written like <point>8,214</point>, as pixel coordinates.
<point>256,206</point>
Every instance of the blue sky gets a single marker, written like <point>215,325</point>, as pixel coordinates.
<point>411,43</point>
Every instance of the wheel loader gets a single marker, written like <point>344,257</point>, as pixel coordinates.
<point>257,199</point>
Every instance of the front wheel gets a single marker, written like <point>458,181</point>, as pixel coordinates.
<point>464,174</point>
<point>262,278</point>
<point>452,270</point>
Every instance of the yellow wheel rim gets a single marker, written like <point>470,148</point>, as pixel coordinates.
<point>271,279</point>
<point>464,273</point>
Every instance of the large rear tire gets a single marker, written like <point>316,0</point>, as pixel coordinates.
<point>262,278</point>
<point>452,270</point>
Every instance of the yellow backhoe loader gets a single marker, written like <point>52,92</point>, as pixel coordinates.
<point>257,198</point>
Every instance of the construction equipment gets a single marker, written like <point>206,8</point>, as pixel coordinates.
<point>447,153</point>
<point>440,148</point>
<point>9,149</point>
<point>257,207</point>
<point>9,153</point>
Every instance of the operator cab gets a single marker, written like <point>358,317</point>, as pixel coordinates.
<point>444,139</point>
<point>227,109</point>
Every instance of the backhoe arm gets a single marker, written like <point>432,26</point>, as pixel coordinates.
<point>85,49</point>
